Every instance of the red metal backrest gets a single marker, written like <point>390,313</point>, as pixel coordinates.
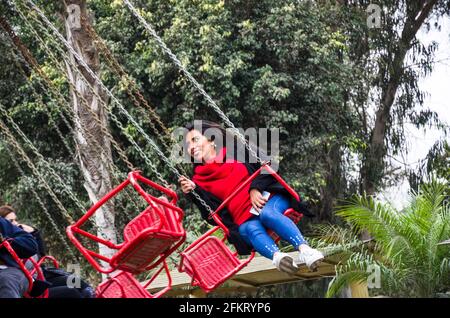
<point>146,220</point>
<point>151,219</point>
<point>151,216</point>
<point>269,170</point>
<point>5,244</point>
<point>122,285</point>
<point>210,262</point>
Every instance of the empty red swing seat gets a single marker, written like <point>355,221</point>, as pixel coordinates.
<point>125,285</point>
<point>147,240</point>
<point>208,260</point>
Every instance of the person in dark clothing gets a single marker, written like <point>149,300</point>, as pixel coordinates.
<point>258,207</point>
<point>13,282</point>
<point>55,278</point>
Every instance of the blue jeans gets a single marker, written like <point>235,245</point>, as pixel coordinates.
<point>13,283</point>
<point>254,231</point>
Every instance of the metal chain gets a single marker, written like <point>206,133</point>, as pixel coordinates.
<point>45,105</point>
<point>120,72</point>
<point>140,101</point>
<point>26,55</point>
<point>41,158</point>
<point>116,102</point>
<point>193,81</point>
<point>44,208</point>
<point>115,170</point>
<point>107,91</point>
<point>62,100</point>
<point>64,103</point>
<point>13,142</point>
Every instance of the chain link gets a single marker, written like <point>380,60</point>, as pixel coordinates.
<point>115,170</point>
<point>103,87</point>
<point>44,208</point>
<point>41,103</point>
<point>41,158</point>
<point>118,104</point>
<point>132,92</point>
<point>13,142</point>
<point>193,81</point>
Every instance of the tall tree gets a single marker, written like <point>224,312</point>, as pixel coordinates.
<point>390,45</point>
<point>93,161</point>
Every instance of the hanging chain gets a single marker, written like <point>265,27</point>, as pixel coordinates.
<point>29,58</point>
<point>61,99</point>
<point>130,85</point>
<point>104,88</point>
<point>65,104</point>
<point>41,102</point>
<point>41,158</point>
<point>13,142</point>
<point>44,208</point>
<point>117,103</point>
<point>193,81</point>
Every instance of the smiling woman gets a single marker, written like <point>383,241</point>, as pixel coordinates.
<point>217,173</point>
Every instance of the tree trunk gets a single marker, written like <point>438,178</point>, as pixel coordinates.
<point>331,191</point>
<point>89,137</point>
<point>373,167</point>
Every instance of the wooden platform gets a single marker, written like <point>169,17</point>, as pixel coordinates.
<point>260,272</point>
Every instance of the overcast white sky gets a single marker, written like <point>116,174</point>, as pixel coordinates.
<point>437,85</point>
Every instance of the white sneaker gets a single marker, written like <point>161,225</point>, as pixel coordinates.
<point>309,256</point>
<point>284,263</point>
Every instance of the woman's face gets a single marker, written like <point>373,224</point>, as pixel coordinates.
<point>198,146</point>
<point>12,217</point>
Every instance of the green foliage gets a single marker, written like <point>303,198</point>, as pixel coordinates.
<point>305,67</point>
<point>405,246</point>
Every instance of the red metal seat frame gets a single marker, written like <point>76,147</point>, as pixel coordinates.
<point>28,274</point>
<point>124,285</point>
<point>6,245</point>
<point>189,262</point>
<point>129,246</point>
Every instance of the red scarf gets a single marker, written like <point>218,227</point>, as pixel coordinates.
<point>221,177</point>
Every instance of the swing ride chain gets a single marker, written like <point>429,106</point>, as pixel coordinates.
<point>30,164</point>
<point>43,207</point>
<point>114,65</point>
<point>121,73</point>
<point>41,102</point>
<point>102,85</point>
<point>84,101</point>
<point>193,81</point>
<point>95,116</point>
<point>121,108</point>
<point>41,158</point>
<point>30,59</point>
<point>26,54</point>
<point>114,169</point>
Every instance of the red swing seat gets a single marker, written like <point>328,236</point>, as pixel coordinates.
<point>29,274</point>
<point>125,285</point>
<point>147,240</point>
<point>208,260</point>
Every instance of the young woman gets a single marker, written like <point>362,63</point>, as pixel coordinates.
<point>217,172</point>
